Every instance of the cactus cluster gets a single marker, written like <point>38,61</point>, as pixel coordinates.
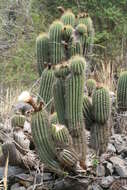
<point>62,69</point>
<point>18,120</point>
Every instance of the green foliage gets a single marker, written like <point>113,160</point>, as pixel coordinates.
<point>122,91</point>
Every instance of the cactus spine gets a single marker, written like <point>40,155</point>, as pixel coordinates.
<point>41,133</point>
<point>73,104</point>
<point>122,92</point>
<point>46,87</point>
<point>42,51</point>
<point>68,18</point>
<point>101,112</point>
<point>56,46</point>
<point>91,85</point>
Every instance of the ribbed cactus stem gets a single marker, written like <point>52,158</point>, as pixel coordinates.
<point>42,51</point>
<point>101,105</point>
<point>122,92</point>
<point>68,18</point>
<point>18,120</point>
<point>46,87</point>
<point>101,113</point>
<point>87,112</point>
<point>73,104</point>
<point>41,133</point>
<point>56,46</point>
<point>91,85</point>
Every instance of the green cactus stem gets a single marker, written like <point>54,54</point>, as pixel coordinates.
<point>87,112</point>
<point>56,46</point>
<point>101,105</point>
<point>122,92</point>
<point>41,133</point>
<point>18,120</point>
<point>53,118</point>
<point>99,137</point>
<point>91,85</point>
<point>61,136</point>
<point>74,86</point>
<point>46,87</point>
<point>68,18</point>
<point>42,51</point>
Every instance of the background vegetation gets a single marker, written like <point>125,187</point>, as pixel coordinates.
<point>22,20</point>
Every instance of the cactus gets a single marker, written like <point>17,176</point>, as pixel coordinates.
<point>68,158</point>
<point>81,30</point>
<point>46,87</point>
<point>67,33</point>
<point>56,46</point>
<point>18,121</point>
<point>41,133</point>
<point>59,91</point>
<point>122,92</point>
<point>42,51</point>
<point>61,136</point>
<point>74,48</point>
<point>87,112</point>
<point>68,18</point>
<point>91,85</point>
<point>101,105</point>
<point>53,118</point>
<point>99,137</point>
<point>101,111</point>
<point>84,18</point>
<point>74,85</point>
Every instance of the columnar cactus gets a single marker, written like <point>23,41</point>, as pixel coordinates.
<point>68,18</point>
<point>46,87</point>
<point>73,102</point>
<point>42,51</point>
<point>122,92</point>
<point>91,85</point>
<point>18,120</point>
<point>56,46</point>
<point>87,112</point>
<point>59,92</point>
<point>53,118</point>
<point>101,113</point>
<point>101,105</point>
<point>81,30</point>
<point>41,133</point>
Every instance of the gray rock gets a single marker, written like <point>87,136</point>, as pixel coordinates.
<point>109,168</point>
<point>106,181</point>
<point>15,186</point>
<point>96,187</point>
<point>100,170</point>
<point>111,148</point>
<point>120,166</point>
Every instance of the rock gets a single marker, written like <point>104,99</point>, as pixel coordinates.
<point>120,166</point>
<point>15,186</point>
<point>109,168</point>
<point>106,181</point>
<point>119,142</point>
<point>100,170</point>
<point>96,187</point>
<point>111,148</point>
